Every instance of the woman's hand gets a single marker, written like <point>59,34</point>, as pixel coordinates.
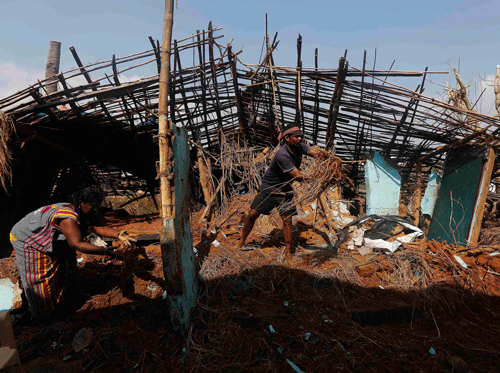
<point>127,238</point>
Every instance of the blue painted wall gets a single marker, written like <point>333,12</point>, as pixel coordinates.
<point>383,185</point>
<point>431,193</point>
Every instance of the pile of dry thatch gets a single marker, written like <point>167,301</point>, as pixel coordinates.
<point>6,130</point>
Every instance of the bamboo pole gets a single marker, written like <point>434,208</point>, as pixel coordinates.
<point>165,132</point>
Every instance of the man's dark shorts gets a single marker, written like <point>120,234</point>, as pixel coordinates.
<point>266,200</point>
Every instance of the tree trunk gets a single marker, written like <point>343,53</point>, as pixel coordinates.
<point>52,67</point>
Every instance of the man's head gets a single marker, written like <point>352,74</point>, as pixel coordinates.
<point>291,135</point>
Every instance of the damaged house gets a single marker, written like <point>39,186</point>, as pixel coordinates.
<point>408,167</point>
<point>393,138</point>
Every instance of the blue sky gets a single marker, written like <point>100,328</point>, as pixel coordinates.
<point>415,34</point>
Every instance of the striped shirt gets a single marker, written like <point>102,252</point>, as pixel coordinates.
<point>41,265</point>
<point>38,228</point>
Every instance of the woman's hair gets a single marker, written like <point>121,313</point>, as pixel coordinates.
<point>87,195</point>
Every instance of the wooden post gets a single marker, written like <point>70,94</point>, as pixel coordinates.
<point>497,90</point>
<point>417,195</point>
<point>482,193</point>
<point>179,262</point>
<point>239,104</point>
<point>52,67</point>
<point>316,100</point>
<point>298,96</point>
<point>164,131</point>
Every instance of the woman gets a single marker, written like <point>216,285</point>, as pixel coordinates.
<point>45,243</point>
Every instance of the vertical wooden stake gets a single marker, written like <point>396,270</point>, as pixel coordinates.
<point>164,129</point>
<point>417,195</point>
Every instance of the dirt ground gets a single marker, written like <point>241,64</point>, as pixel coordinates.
<point>417,310</point>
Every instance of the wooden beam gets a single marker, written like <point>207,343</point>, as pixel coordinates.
<point>211,43</point>
<point>157,54</point>
<point>316,101</point>
<point>484,186</point>
<point>299,116</point>
<point>39,100</point>
<point>239,105</point>
<point>335,103</point>
<point>72,104</point>
<point>360,128</point>
<point>124,102</point>
<point>177,63</point>
<point>89,80</point>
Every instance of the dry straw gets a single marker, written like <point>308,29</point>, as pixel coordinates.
<point>318,177</point>
<point>6,129</point>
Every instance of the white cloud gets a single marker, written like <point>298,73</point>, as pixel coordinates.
<point>14,78</point>
<point>487,101</point>
<point>132,78</point>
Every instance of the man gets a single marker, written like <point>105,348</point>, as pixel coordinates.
<point>45,241</point>
<point>276,188</point>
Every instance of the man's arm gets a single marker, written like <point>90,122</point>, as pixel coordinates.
<point>296,175</point>
<point>318,154</point>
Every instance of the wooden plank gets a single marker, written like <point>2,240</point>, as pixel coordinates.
<point>477,218</point>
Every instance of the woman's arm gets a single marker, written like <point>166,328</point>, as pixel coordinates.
<point>103,230</point>
<point>123,236</point>
<point>73,235</point>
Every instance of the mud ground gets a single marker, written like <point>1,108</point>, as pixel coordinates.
<point>417,310</point>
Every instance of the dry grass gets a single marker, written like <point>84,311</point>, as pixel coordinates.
<point>241,166</point>
<point>318,177</point>
<point>6,129</point>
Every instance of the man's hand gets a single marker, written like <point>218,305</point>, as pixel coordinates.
<point>319,154</point>
<point>127,238</point>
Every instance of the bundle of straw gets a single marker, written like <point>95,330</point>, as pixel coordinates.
<point>6,128</point>
<point>318,177</point>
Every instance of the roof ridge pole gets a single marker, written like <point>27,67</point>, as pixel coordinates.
<point>164,130</point>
